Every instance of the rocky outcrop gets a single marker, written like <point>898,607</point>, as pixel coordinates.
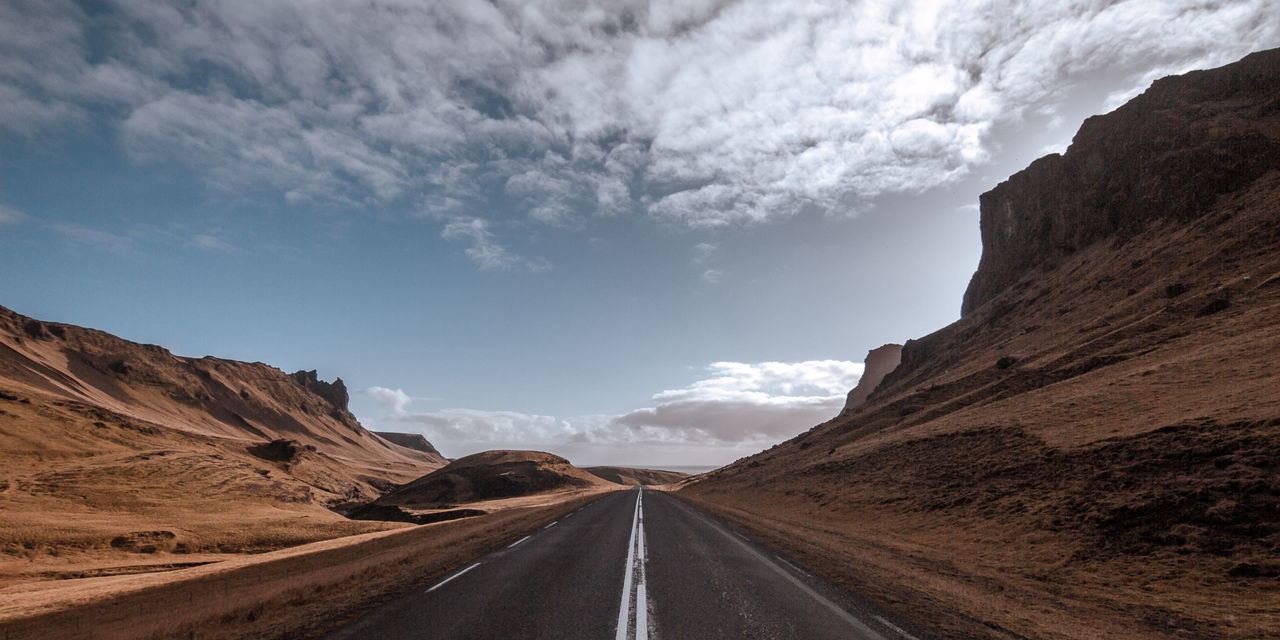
<point>335,392</point>
<point>1167,154</point>
<point>413,441</point>
<point>878,364</point>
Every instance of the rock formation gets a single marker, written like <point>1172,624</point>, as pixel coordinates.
<point>1167,154</point>
<point>335,392</point>
<point>878,364</point>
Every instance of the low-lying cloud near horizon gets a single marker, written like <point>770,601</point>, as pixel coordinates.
<point>700,113</point>
<point>734,410</point>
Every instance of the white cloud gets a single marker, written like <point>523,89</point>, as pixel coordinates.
<point>735,409</point>
<point>95,238</point>
<point>393,400</point>
<point>485,250</point>
<point>9,215</point>
<point>209,242</point>
<point>700,113</point>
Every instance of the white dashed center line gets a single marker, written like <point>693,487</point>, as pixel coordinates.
<point>446,580</point>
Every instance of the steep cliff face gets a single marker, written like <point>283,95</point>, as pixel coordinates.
<point>1168,154</point>
<point>879,363</point>
<point>1090,450</point>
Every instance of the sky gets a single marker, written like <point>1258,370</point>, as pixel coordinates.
<point>640,233</point>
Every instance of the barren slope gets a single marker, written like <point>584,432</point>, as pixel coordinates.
<point>120,457</point>
<point>1091,451</point>
<point>490,475</point>
<point>630,476</point>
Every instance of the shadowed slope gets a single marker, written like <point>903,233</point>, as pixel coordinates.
<point>629,476</point>
<point>1090,450</point>
<point>490,475</point>
<point>118,455</point>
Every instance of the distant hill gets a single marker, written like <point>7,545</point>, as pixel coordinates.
<point>110,446</point>
<point>1090,451</point>
<point>490,475</point>
<point>413,441</point>
<point>629,476</point>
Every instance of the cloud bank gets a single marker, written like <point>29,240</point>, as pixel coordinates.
<point>735,409</point>
<point>701,113</point>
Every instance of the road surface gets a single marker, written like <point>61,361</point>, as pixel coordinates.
<point>636,565</point>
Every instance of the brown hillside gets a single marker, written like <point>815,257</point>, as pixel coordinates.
<point>629,476</point>
<point>121,457</point>
<point>413,441</point>
<point>1091,451</point>
<point>490,475</point>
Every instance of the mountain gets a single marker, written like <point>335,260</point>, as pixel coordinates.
<point>113,446</point>
<point>490,475</point>
<point>413,441</point>
<point>1090,451</point>
<point>629,476</point>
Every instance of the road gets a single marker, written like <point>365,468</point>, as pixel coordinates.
<point>636,565</point>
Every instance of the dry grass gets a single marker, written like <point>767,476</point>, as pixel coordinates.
<point>295,592</point>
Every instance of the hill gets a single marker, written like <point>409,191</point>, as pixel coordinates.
<point>629,476</point>
<point>488,476</point>
<point>413,441</point>
<point>1090,451</point>
<point>118,454</point>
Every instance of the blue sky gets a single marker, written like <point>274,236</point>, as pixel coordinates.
<point>650,233</point>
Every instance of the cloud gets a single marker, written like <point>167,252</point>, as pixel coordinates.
<point>209,242</point>
<point>734,409</point>
<point>484,250</point>
<point>9,215</point>
<point>702,114</point>
<point>712,276</point>
<point>95,238</point>
<point>393,400</point>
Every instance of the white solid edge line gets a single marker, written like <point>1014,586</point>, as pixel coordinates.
<point>625,607</point>
<point>642,600</point>
<point>895,627</point>
<point>798,569</point>
<point>513,544</point>
<point>446,580</point>
<point>819,598</point>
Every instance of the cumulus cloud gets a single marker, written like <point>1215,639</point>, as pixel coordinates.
<point>703,113</point>
<point>734,409</point>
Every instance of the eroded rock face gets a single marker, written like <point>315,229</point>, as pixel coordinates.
<point>1167,154</point>
<point>335,392</point>
<point>880,361</point>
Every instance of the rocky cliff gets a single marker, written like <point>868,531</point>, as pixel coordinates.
<point>879,363</point>
<point>1168,154</point>
<point>1090,450</point>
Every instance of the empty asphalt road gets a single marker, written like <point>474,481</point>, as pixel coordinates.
<point>632,565</point>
